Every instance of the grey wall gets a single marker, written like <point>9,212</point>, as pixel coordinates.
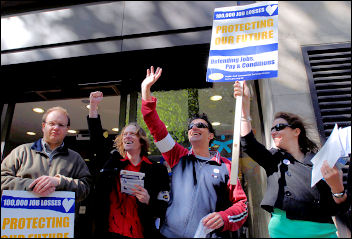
<point>301,23</point>
<point>105,27</point>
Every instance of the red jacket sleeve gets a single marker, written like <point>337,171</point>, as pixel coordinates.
<point>235,216</point>
<point>171,150</point>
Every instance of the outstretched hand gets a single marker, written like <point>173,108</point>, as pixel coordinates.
<point>149,81</point>
<point>151,77</point>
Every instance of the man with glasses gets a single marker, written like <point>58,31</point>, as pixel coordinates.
<point>47,165</point>
<point>201,194</point>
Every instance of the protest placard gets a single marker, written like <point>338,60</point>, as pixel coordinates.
<point>26,215</point>
<point>244,43</point>
<point>244,46</point>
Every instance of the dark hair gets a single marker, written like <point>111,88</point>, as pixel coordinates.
<point>143,139</point>
<point>204,117</point>
<point>305,144</point>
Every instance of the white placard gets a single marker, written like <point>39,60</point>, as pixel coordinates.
<point>26,215</point>
<point>244,43</point>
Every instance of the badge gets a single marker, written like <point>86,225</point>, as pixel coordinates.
<point>164,195</point>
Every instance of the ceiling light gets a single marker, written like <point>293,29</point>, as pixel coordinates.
<point>215,123</point>
<point>115,129</point>
<point>30,133</point>
<point>216,97</point>
<point>72,131</point>
<point>38,110</point>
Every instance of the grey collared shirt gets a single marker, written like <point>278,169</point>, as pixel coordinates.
<point>48,151</point>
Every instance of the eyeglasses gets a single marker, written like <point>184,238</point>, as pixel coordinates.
<point>279,127</point>
<point>129,133</point>
<point>199,125</point>
<point>52,124</point>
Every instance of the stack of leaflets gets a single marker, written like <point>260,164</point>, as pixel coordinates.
<point>335,151</point>
<point>129,179</point>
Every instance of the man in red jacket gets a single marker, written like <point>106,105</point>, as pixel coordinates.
<point>201,193</point>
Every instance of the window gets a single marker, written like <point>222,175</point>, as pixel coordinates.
<point>329,73</point>
<point>174,108</point>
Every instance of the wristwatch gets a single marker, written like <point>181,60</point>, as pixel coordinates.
<point>339,195</point>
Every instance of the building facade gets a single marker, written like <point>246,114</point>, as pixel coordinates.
<point>57,55</point>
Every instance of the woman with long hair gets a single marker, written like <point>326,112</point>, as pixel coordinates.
<point>120,213</point>
<point>297,209</point>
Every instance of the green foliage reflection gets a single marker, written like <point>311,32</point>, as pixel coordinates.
<point>173,111</point>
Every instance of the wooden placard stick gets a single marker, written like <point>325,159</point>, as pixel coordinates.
<point>236,139</point>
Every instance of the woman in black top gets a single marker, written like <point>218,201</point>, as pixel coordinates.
<point>297,209</point>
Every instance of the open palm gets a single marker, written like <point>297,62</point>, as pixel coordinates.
<point>151,77</point>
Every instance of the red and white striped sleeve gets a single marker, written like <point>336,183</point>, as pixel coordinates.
<point>234,216</point>
<point>169,148</point>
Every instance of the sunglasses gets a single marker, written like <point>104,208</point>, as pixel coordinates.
<point>199,125</point>
<point>279,127</point>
